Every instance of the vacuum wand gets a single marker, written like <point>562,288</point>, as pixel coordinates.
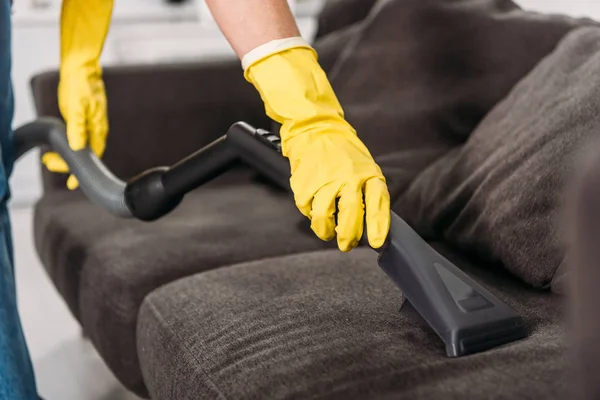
<point>466,316</point>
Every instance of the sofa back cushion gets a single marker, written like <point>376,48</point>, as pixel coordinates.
<point>502,193</point>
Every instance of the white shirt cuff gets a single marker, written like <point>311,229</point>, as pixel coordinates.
<point>272,47</point>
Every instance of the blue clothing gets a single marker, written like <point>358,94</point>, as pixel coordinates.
<point>17,380</point>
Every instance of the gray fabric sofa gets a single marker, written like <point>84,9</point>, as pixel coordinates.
<point>232,296</point>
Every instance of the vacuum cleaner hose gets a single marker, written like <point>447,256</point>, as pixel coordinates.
<point>96,181</point>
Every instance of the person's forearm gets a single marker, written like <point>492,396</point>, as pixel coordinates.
<point>83,26</point>
<point>248,24</point>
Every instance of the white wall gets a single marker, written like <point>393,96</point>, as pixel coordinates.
<point>577,8</point>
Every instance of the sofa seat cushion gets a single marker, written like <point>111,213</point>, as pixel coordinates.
<point>104,266</point>
<point>328,325</point>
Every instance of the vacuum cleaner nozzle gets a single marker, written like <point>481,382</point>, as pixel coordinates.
<point>466,316</point>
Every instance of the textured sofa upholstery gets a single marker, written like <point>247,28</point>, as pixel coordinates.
<point>325,325</point>
<point>232,296</point>
<point>104,266</point>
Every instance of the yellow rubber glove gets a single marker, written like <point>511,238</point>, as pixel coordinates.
<point>81,93</point>
<point>331,169</point>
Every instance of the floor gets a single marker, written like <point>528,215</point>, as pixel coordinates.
<point>67,366</point>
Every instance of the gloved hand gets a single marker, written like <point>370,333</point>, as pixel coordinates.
<point>330,167</point>
<point>81,93</point>
<point>82,103</point>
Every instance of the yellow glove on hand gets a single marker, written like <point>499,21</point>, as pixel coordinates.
<point>330,167</point>
<point>81,93</point>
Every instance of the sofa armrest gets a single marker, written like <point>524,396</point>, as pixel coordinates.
<point>160,114</point>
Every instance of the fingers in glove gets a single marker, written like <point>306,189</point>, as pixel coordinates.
<point>72,182</point>
<point>55,163</point>
<point>322,214</point>
<point>303,200</point>
<point>98,125</point>
<point>377,205</point>
<point>77,127</point>
<point>350,219</point>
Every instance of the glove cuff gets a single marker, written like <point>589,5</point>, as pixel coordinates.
<point>273,47</point>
